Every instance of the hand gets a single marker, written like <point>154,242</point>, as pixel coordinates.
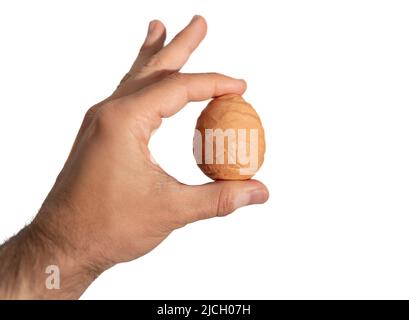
<point>111,203</point>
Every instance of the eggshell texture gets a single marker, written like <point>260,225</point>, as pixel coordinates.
<point>230,112</point>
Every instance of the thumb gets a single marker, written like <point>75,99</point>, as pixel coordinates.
<point>217,199</point>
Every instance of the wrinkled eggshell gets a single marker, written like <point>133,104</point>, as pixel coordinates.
<point>229,112</point>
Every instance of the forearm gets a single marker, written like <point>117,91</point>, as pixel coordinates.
<point>36,265</point>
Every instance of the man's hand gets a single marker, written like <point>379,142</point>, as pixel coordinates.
<point>111,203</point>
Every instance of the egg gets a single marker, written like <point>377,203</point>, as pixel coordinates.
<point>229,141</point>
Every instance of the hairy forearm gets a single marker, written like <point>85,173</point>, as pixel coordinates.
<point>36,264</point>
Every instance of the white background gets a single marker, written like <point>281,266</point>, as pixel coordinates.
<point>330,80</point>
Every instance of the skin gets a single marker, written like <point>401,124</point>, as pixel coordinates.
<point>111,203</point>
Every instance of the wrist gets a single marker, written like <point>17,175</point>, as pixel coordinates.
<point>43,262</point>
<point>62,272</point>
<point>62,244</point>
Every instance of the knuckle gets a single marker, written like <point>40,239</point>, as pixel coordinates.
<point>89,116</point>
<point>91,111</point>
<point>225,203</point>
<point>214,74</point>
<point>105,116</point>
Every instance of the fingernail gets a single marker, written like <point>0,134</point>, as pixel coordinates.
<point>151,27</point>
<point>195,17</point>
<point>244,83</point>
<point>153,33</point>
<point>254,196</point>
<point>258,196</point>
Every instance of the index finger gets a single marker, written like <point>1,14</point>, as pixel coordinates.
<point>165,98</point>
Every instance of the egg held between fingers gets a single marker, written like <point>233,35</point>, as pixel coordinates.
<point>229,142</point>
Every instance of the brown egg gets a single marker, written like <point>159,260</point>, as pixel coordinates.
<point>229,139</point>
